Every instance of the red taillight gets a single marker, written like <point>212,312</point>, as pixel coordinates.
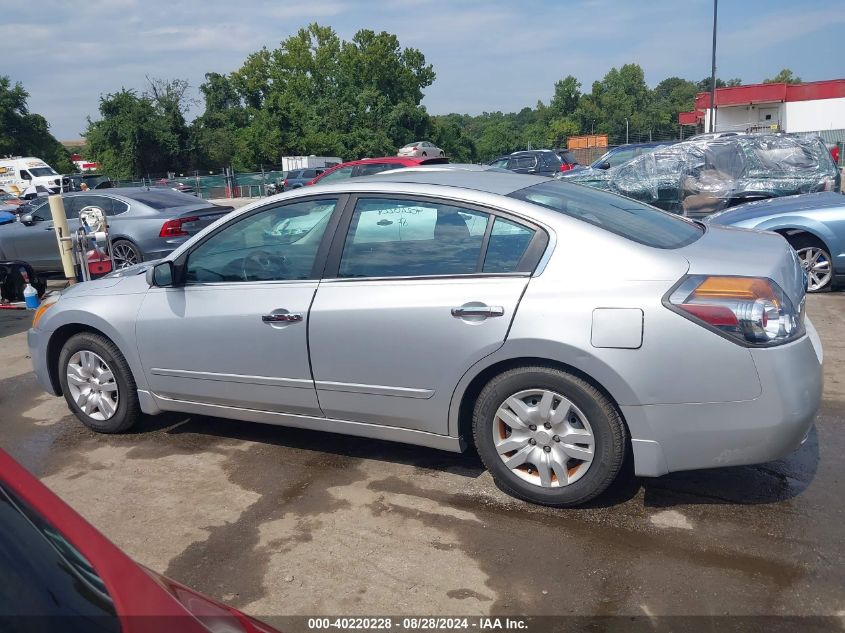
<point>173,228</point>
<point>285,182</point>
<point>565,166</point>
<point>313,181</point>
<point>749,309</point>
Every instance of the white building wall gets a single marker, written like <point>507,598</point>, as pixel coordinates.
<point>740,117</point>
<point>810,116</point>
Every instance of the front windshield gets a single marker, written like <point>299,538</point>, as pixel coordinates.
<point>42,171</point>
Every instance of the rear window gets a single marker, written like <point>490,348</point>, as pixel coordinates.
<point>161,198</point>
<point>630,219</point>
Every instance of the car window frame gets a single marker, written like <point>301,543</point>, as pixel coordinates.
<point>320,258</point>
<point>527,266</point>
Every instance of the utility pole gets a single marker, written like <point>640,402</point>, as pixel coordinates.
<point>713,71</point>
<point>626,130</point>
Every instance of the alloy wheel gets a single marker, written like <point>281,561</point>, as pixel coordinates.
<point>92,385</point>
<point>124,255</point>
<point>543,438</point>
<point>816,263</point>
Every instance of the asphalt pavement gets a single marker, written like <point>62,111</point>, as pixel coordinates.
<point>282,521</point>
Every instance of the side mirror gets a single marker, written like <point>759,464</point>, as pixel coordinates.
<point>161,275</point>
<point>604,165</point>
<point>27,219</point>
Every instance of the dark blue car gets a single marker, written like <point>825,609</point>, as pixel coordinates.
<point>813,223</point>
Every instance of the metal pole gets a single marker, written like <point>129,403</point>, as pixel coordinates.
<point>713,71</point>
<point>626,130</point>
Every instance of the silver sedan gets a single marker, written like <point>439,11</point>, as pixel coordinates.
<point>448,308</point>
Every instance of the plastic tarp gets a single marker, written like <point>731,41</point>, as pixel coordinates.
<point>700,177</point>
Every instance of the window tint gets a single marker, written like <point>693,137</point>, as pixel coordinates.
<point>116,207</point>
<point>501,163</point>
<point>274,244</point>
<point>338,174</point>
<point>508,243</point>
<point>162,198</point>
<point>24,175</point>
<point>309,173</point>
<point>42,211</point>
<point>622,216</point>
<point>551,161</point>
<point>396,238</point>
<point>44,575</point>
<point>369,169</point>
<point>523,162</point>
<point>622,156</point>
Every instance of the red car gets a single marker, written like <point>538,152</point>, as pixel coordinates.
<point>370,166</point>
<point>60,574</point>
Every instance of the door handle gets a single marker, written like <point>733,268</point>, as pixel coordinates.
<point>288,317</point>
<point>478,311</point>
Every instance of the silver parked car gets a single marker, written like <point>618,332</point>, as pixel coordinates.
<point>452,307</point>
<point>421,149</point>
<point>144,223</point>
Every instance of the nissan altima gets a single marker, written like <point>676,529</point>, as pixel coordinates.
<point>457,307</point>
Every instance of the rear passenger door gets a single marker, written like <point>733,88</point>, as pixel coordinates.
<point>416,291</point>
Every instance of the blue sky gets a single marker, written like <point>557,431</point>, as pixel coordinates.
<point>488,55</point>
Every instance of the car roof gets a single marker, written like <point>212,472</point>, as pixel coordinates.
<point>402,160</point>
<point>496,181</point>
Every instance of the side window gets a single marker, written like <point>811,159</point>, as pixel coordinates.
<point>338,174</point>
<point>551,161</point>
<point>368,169</point>
<point>398,238</point>
<point>621,157</point>
<point>274,244</point>
<point>24,175</point>
<point>501,163</point>
<point>508,243</point>
<point>116,207</point>
<point>42,212</point>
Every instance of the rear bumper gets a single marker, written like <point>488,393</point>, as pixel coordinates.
<point>709,435</point>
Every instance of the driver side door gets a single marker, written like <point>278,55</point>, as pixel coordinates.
<point>234,334</point>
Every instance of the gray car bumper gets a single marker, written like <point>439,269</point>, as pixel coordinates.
<point>37,341</point>
<point>708,435</point>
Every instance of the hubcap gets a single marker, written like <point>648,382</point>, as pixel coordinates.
<point>543,438</point>
<point>92,385</point>
<point>124,255</point>
<point>817,265</point>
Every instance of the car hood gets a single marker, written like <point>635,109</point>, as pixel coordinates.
<point>777,206</point>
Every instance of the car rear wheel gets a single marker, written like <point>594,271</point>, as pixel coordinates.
<point>98,384</point>
<point>547,436</point>
<point>424,154</point>
<point>442,154</point>
<point>125,254</point>
<point>815,260</point>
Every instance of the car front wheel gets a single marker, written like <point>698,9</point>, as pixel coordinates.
<point>98,384</point>
<point>547,436</point>
<point>815,260</point>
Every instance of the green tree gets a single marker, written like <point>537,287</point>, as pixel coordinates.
<point>785,76</point>
<point>138,135</point>
<point>565,99</point>
<point>23,133</point>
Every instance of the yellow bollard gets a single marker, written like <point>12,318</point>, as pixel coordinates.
<point>57,210</point>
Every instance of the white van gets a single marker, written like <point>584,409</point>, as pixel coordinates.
<point>16,174</point>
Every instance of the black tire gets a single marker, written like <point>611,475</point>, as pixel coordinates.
<point>118,245</point>
<point>128,410</point>
<point>424,154</point>
<point>804,241</point>
<point>442,154</point>
<point>609,432</point>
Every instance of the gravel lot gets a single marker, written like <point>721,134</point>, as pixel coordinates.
<point>279,521</point>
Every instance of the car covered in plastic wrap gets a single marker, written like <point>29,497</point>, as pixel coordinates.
<point>702,176</point>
